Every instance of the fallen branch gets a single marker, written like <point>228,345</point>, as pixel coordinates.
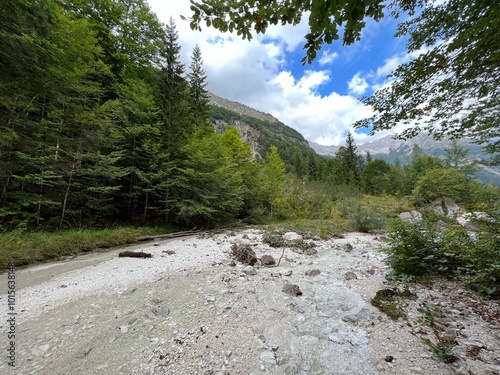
<point>191,232</point>
<point>170,235</point>
<point>134,254</point>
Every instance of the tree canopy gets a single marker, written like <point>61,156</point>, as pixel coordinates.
<point>325,19</point>
<point>452,86</point>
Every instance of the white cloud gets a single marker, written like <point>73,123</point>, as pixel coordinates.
<point>328,57</point>
<point>256,73</point>
<point>322,119</point>
<point>357,85</point>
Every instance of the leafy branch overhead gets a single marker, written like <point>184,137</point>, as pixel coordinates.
<point>452,86</point>
<point>325,18</point>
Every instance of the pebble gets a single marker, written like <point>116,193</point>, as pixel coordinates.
<point>350,276</point>
<point>249,270</point>
<point>416,370</point>
<point>268,357</point>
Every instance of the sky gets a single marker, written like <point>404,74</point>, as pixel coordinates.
<point>319,100</point>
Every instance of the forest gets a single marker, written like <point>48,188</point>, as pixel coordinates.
<point>102,126</point>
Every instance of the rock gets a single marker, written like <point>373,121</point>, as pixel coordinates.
<point>350,276</point>
<point>286,272</point>
<point>292,237</point>
<point>467,220</point>
<point>310,251</point>
<point>416,370</point>
<point>244,254</point>
<point>249,270</point>
<point>268,357</point>
<point>134,254</point>
<point>411,217</point>
<point>313,272</point>
<point>292,289</point>
<point>128,291</point>
<point>124,329</point>
<point>267,260</point>
<point>161,311</point>
<point>447,207</point>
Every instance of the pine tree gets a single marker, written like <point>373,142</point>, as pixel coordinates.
<point>199,100</point>
<point>457,156</point>
<point>349,163</point>
<point>173,93</point>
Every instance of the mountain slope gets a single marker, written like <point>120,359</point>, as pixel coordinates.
<point>392,150</point>
<point>260,130</point>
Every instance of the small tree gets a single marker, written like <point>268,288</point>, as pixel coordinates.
<point>442,183</point>
<point>272,177</point>
<point>458,157</point>
<point>377,177</point>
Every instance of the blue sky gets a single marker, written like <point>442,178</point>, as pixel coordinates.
<point>318,100</point>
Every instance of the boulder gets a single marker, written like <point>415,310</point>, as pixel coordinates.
<point>292,289</point>
<point>291,237</point>
<point>244,254</point>
<point>468,219</point>
<point>411,216</point>
<point>447,207</point>
<point>267,260</point>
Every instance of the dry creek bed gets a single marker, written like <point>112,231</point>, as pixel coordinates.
<point>190,309</point>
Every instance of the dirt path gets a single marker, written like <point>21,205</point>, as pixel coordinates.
<point>188,310</point>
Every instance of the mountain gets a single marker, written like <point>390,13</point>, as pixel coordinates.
<point>259,130</point>
<point>392,150</point>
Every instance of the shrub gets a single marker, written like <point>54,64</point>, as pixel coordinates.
<point>273,239</point>
<point>442,183</point>
<point>448,250</point>
<point>363,219</point>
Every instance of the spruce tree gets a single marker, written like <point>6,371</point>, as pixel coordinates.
<point>198,96</point>
<point>176,126</point>
<point>345,168</point>
<point>173,93</point>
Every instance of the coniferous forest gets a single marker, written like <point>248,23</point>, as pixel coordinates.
<point>102,123</point>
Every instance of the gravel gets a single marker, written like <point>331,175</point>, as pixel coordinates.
<point>190,309</point>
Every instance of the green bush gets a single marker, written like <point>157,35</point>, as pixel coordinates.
<point>448,250</point>
<point>442,183</point>
<point>363,219</point>
<point>273,239</point>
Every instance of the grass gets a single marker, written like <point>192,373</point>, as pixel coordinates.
<point>387,303</point>
<point>24,247</point>
<point>310,228</point>
<point>389,206</point>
